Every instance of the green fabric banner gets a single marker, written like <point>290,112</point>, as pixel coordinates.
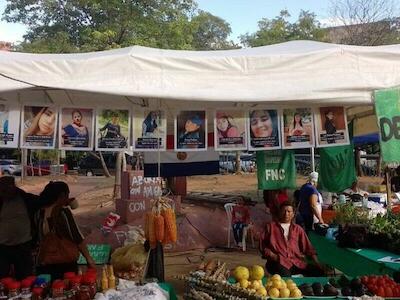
<point>387,109</point>
<point>276,169</point>
<point>337,169</point>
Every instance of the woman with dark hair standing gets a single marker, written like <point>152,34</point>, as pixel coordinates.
<point>57,218</point>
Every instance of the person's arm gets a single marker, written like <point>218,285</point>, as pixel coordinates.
<point>85,252</point>
<point>307,248</point>
<point>34,202</point>
<point>234,218</point>
<point>32,129</point>
<point>314,207</point>
<point>144,129</point>
<point>266,249</point>
<point>104,127</point>
<point>247,216</point>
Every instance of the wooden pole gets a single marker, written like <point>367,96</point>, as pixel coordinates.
<point>388,189</point>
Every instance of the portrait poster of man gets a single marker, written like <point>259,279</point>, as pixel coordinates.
<point>230,130</point>
<point>264,129</point>
<point>149,130</point>
<point>76,128</point>
<point>191,131</point>
<point>112,129</point>
<point>38,127</point>
<point>331,126</point>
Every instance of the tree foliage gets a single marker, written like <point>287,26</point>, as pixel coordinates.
<point>365,22</point>
<point>280,29</point>
<point>211,32</point>
<point>63,26</point>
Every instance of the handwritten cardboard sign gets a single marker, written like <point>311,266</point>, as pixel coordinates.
<point>137,192</point>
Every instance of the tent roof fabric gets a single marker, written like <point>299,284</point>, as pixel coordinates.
<point>295,72</point>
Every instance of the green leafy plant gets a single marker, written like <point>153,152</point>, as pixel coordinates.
<point>349,214</point>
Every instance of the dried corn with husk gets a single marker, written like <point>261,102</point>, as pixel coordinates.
<point>170,225</point>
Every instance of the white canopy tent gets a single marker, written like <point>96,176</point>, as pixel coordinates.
<point>292,73</point>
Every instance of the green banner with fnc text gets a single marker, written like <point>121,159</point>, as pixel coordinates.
<point>387,109</point>
<point>276,169</point>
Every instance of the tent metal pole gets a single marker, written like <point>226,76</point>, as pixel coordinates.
<point>312,160</point>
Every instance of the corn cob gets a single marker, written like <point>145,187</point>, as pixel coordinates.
<point>159,227</point>
<point>152,233</point>
<point>170,224</point>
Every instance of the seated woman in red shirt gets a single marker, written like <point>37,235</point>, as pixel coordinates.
<point>285,245</point>
<point>240,219</point>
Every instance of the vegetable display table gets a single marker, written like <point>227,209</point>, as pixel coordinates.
<point>353,262</point>
<point>168,288</point>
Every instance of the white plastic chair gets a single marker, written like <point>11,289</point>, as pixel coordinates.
<point>229,209</point>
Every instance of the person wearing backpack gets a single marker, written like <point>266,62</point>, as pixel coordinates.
<point>60,238</point>
<point>18,230</point>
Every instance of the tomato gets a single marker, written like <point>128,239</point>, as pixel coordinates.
<point>373,289</point>
<point>381,282</point>
<point>380,292</point>
<point>388,292</point>
<point>396,292</point>
<point>364,279</point>
<point>372,280</point>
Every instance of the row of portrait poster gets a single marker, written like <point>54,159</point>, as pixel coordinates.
<point>107,129</point>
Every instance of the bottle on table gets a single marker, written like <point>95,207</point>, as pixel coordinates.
<point>3,295</point>
<point>104,280</point>
<point>14,290</point>
<point>111,277</point>
<point>26,285</point>
<point>37,293</point>
<point>58,290</point>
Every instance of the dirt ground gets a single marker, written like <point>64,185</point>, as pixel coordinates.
<point>95,196</point>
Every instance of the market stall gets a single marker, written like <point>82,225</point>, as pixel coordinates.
<point>172,81</point>
<point>354,262</point>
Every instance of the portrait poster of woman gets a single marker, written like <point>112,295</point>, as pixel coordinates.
<point>38,127</point>
<point>264,129</point>
<point>331,126</point>
<point>190,131</point>
<point>9,125</point>
<point>230,130</point>
<point>149,130</point>
<point>297,128</point>
<point>76,128</point>
<point>112,129</point>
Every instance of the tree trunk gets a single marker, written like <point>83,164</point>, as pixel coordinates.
<point>40,163</point>
<point>103,164</point>
<point>237,164</point>
<point>31,163</point>
<point>117,184</point>
<point>123,162</point>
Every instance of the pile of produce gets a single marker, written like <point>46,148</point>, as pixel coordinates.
<point>279,288</point>
<point>210,281</point>
<point>319,290</point>
<point>160,223</point>
<point>250,279</point>
<point>384,230</point>
<point>129,261</point>
<point>382,286</point>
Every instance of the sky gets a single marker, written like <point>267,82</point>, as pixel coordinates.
<point>242,15</point>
